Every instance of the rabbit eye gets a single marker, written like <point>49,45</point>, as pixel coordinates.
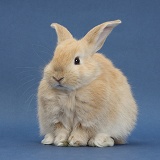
<point>77,61</point>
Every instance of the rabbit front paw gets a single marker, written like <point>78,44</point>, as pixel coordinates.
<point>79,136</point>
<point>75,140</point>
<point>101,140</point>
<point>48,139</point>
<point>61,140</point>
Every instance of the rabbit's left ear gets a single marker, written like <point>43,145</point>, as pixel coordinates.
<point>96,37</point>
<point>62,32</point>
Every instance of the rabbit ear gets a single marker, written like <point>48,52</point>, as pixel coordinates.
<point>62,32</point>
<point>96,37</point>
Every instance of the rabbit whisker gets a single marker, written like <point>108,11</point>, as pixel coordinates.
<point>29,88</point>
<point>25,72</point>
<point>39,56</point>
<point>26,68</point>
<point>32,97</point>
<point>29,97</point>
<point>28,76</point>
<point>42,46</point>
<point>25,84</point>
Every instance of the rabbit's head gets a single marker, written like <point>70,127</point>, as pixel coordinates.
<point>73,65</point>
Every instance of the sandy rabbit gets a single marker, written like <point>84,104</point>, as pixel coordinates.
<point>83,99</point>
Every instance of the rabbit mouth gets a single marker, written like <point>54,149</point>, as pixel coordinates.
<point>60,86</point>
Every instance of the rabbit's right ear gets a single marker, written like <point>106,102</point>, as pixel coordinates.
<point>62,32</point>
<point>96,37</point>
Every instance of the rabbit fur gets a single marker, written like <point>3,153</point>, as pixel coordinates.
<point>83,99</point>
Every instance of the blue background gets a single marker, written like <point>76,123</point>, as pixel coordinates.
<point>26,45</point>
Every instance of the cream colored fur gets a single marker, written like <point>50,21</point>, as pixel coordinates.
<point>94,104</point>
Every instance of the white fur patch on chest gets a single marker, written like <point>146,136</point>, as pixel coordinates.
<point>66,104</point>
<point>71,108</point>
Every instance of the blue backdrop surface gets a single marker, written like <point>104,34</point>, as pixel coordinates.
<point>26,45</point>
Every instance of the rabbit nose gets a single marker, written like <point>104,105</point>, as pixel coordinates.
<point>58,80</point>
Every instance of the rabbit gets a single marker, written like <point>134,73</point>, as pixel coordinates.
<point>83,99</point>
